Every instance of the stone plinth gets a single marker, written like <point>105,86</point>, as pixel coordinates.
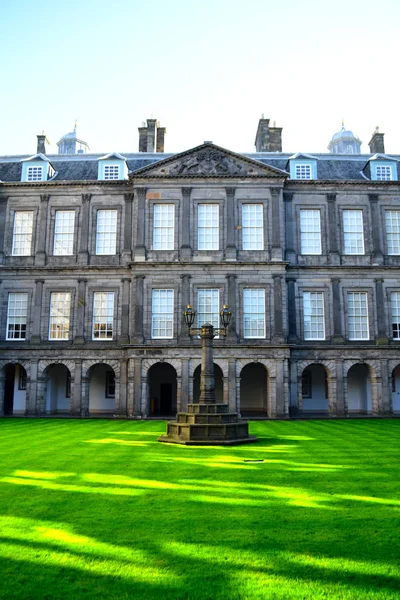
<point>207,425</point>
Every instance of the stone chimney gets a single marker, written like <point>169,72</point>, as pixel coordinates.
<point>41,144</point>
<point>376,144</point>
<point>161,131</point>
<point>151,137</point>
<point>268,139</point>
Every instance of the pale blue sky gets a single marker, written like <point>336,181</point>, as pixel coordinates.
<point>206,70</point>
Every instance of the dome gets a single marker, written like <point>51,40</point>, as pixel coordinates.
<point>343,134</point>
<point>344,142</point>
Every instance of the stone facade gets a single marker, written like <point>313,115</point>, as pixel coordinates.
<point>278,374</point>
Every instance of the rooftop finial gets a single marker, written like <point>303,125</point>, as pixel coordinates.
<point>342,123</point>
<point>76,123</point>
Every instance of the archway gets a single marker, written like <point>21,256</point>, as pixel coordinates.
<point>15,389</point>
<point>253,390</point>
<point>101,389</point>
<point>359,394</point>
<point>162,390</point>
<point>314,389</point>
<point>218,382</point>
<point>58,389</point>
<point>396,390</point>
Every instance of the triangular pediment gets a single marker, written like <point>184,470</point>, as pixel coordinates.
<point>208,160</point>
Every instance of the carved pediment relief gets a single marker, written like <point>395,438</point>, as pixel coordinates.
<point>208,160</point>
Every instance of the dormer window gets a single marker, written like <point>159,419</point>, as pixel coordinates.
<point>384,173</point>
<point>111,171</point>
<point>34,174</point>
<point>303,171</point>
<point>112,167</point>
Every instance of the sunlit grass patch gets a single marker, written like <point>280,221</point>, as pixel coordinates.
<point>93,509</point>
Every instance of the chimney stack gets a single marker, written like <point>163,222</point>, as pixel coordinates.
<point>268,139</point>
<point>151,137</point>
<point>376,144</point>
<point>41,144</point>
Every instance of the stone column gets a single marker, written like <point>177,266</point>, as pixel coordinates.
<point>278,317</point>
<point>232,333</point>
<point>123,381</point>
<point>41,390</point>
<point>124,337</point>
<point>130,388</point>
<point>334,258</point>
<point>381,313</point>
<point>230,250</point>
<point>184,384</point>
<point>140,249</point>
<point>37,312</point>
<point>290,252</point>
<point>186,248</point>
<point>340,391</point>
<point>127,249</point>
<point>31,408</point>
<point>337,317</point>
<point>138,322</point>
<point>80,312</point>
<point>85,390</point>
<point>83,256</point>
<point>178,393</point>
<point>3,212</point>
<point>276,250</point>
<point>185,294</point>
<point>137,400</point>
<point>293,389</point>
<point>291,285</point>
<point>232,384</point>
<point>280,396</point>
<point>377,253</point>
<point>40,257</point>
<point>2,387</point>
<point>76,390</point>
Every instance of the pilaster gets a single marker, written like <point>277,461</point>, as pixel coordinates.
<point>230,250</point>
<point>140,249</point>
<point>186,249</point>
<point>37,312</point>
<point>83,256</point>
<point>40,256</point>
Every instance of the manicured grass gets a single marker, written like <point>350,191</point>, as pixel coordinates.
<point>100,509</point>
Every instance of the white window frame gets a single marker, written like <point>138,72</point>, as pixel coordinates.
<point>395,315</point>
<point>208,226</point>
<point>353,232</point>
<point>383,173</point>
<point>252,227</point>
<point>103,316</point>
<point>303,171</point>
<point>392,222</point>
<point>254,313</point>
<point>310,231</point>
<point>17,316</point>
<point>111,172</point>
<point>60,316</point>
<point>208,306</point>
<point>34,173</point>
<point>64,227</point>
<point>162,314</point>
<point>106,232</point>
<point>163,226</point>
<point>313,315</point>
<point>22,233</point>
<point>357,323</point>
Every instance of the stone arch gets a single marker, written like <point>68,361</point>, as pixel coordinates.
<point>330,370</point>
<point>54,386</point>
<point>254,389</point>
<point>162,388</point>
<point>14,400</point>
<point>100,392</point>
<point>394,387</point>
<point>221,363</point>
<point>44,364</point>
<point>268,364</point>
<point>373,385</point>
<point>147,363</point>
<point>88,364</point>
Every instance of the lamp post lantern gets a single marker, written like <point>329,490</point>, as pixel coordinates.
<point>207,423</point>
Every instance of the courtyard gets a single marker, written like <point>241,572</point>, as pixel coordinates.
<point>98,508</point>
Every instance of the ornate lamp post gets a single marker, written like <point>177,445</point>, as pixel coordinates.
<point>207,332</point>
<point>207,423</point>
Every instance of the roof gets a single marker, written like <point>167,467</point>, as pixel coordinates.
<point>84,167</point>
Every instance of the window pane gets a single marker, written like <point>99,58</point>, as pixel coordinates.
<point>314,319</point>
<point>60,308</point>
<point>164,227</point>
<point>64,232</point>
<point>383,173</point>
<point>353,232</point>
<point>103,315</point>
<point>22,234</point>
<point>254,313</point>
<point>111,171</point>
<point>358,315</point>
<point>252,227</point>
<point>16,316</point>
<point>208,307</point>
<point>303,171</point>
<point>395,305</point>
<point>34,173</point>
<point>392,218</point>
<point>106,236</point>
<point>310,231</point>
<point>208,226</point>
<point>162,313</point>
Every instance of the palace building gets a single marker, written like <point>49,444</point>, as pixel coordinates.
<point>100,254</point>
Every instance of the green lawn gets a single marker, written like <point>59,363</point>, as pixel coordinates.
<point>100,509</point>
